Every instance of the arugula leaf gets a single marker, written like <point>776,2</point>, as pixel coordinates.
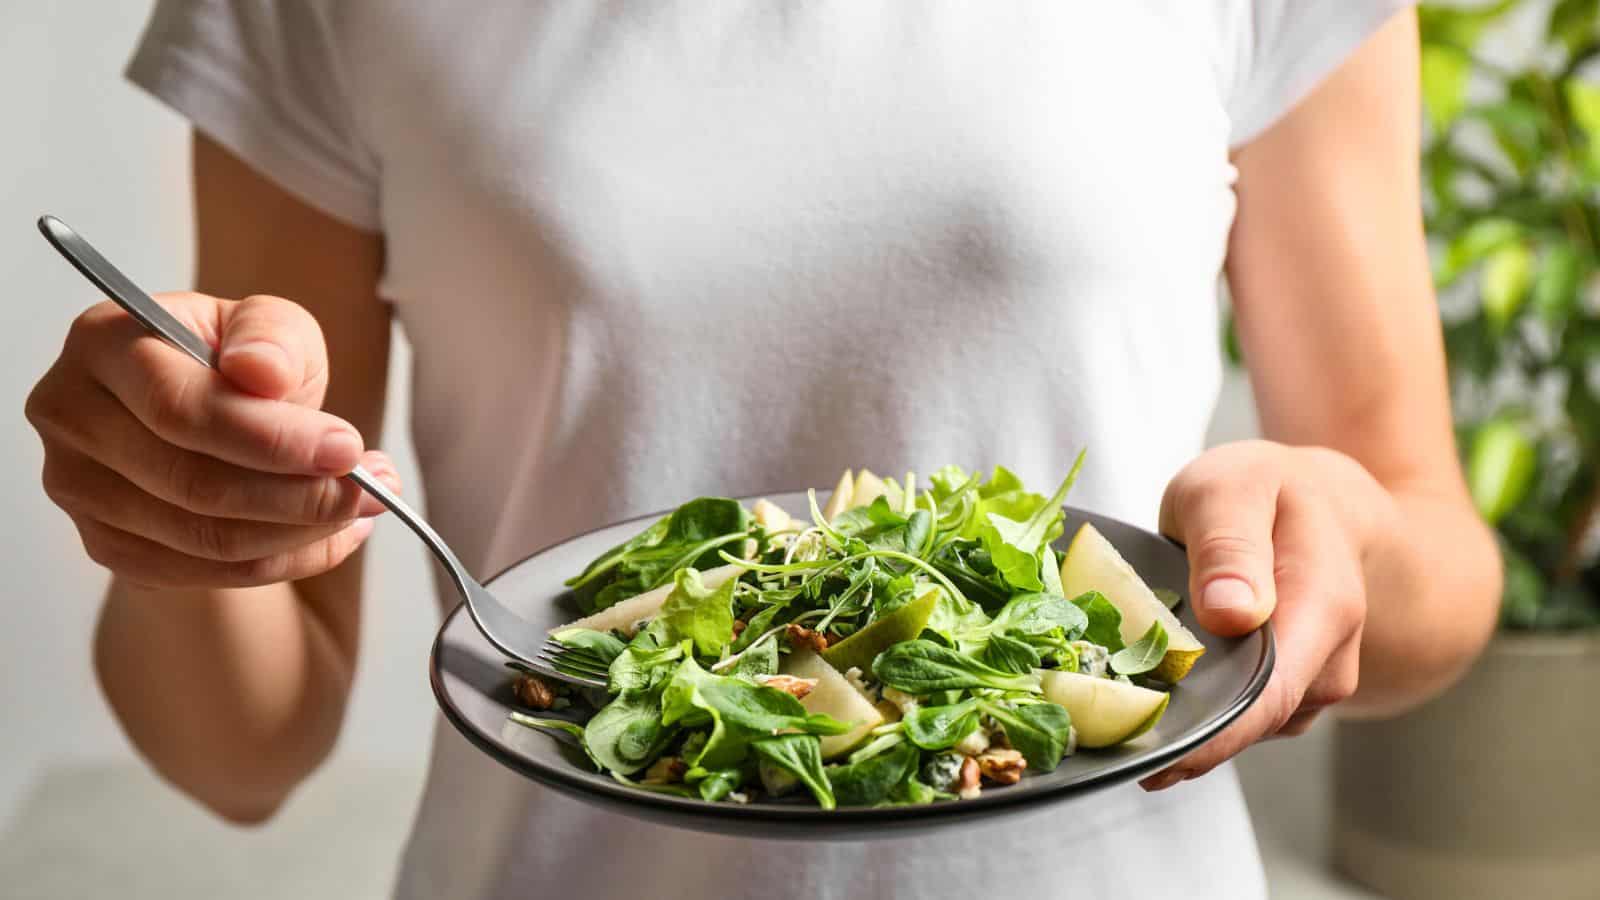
<point>1017,547</point>
<point>1050,573</point>
<point>638,669</point>
<point>690,536</point>
<point>1168,597</point>
<point>1009,654</point>
<point>697,613</point>
<point>967,565</point>
<point>801,756</point>
<point>922,667</point>
<point>1104,620</point>
<point>571,729</point>
<point>880,527</point>
<point>1144,654</point>
<point>871,781</point>
<point>1039,730</point>
<point>941,727</point>
<point>755,628</point>
<point>627,733</point>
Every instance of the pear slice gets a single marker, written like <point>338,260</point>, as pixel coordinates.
<point>771,516</point>
<point>835,696</point>
<point>840,501</point>
<point>625,614</point>
<point>1092,564</point>
<point>904,624</point>
<point>1104,712</point>
<point>868,487</point>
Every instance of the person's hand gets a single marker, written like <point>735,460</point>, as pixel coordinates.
<point>180,476</point>
<point>1275,532</point>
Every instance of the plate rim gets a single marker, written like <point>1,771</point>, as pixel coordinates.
<point>615,793</point>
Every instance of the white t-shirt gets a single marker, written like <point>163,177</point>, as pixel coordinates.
<point>646,251</point>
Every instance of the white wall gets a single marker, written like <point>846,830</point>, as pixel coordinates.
<point>84,145</point>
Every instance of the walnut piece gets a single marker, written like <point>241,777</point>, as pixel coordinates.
<point>801,636</point>
<point>534,692</point>
<point>967,786</point>
<point>739,625</point>
<point>1002,766</point>
<point>789,684</point>
<point>666,770</point>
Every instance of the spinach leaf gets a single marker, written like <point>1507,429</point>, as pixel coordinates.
<point>739,712</point>
<point>1018,547</point>
<point>912,792</point>
<point>697,613</point>
<point>1105,620</point>
<point>883,743</point>
<point>1142,655</point>
<point>1010,654</point>
<point>762,659</point>
<point>571,729</point>
<point>1035,614</point>
<point>1038,730</point>
<point>627,733</point>
<point>637,669</point>
<point>801,756</point>
<point>588,648</point>
<point>690,536</point>
<point>941,727</point>
<point>922,667</point>
<point>714,784</point>
<point>871,781</point>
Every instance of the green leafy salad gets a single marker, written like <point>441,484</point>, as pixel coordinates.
<point>902,645</point>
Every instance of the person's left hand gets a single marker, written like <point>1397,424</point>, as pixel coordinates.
<point>1274,531</point>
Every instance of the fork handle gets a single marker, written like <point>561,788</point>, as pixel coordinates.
<point>147,312</point>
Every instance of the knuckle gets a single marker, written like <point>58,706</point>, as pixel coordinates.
<point>60,487</point>
<point>213,539</point>
<point>194,488</point>
<point>1225,551</point>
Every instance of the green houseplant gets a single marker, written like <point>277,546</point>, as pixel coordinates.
<point>1489,791</point>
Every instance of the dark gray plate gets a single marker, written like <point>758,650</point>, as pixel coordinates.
<point>472,686</point>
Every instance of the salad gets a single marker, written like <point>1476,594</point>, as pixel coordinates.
<point>905,644</point>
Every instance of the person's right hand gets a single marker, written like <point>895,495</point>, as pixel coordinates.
<point>180,476</point>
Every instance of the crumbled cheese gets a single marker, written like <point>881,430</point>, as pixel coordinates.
<point>1092,658</point>
<point>907,703</point>
<point>855,676</point>
<point>738,797</point>
<point>973,744</point>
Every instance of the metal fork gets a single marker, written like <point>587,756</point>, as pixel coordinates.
<point>507,631</point>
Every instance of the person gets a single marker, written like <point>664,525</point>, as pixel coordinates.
<point>651,251</point>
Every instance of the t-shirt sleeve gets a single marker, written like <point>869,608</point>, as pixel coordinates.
<point>265,79</point>
<point>1284,48</point>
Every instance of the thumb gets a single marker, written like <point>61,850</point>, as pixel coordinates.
<point>273,348</point>
<point>1227,533</point>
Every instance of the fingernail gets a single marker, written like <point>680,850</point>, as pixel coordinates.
<point>1226,594</point>
<point>338,452</point>
<point>1162,781</point>
<point>265,352</point>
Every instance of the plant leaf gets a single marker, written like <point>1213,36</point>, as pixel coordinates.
<point>696,613</point>
<point>1144,654</point>
<point>1444,84</point>
<point>1104,620</point>
<point>1500,468</point>
<point>922,667</point>
<point>1039,730</point>
<point>870,781</point>
<point>941,727</point>
<point>801,756</point>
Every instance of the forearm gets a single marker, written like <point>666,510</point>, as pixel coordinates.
<point>1432,574</point>
<point>232,695</point>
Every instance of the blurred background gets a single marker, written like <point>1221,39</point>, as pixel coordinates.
<point>1489,792</point>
